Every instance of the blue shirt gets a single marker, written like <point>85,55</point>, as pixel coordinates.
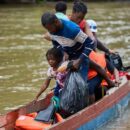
<point>72,40</point>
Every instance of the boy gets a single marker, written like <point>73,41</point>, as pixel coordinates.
<point>60,9</point>
<point>78,14</point>
<point>88,26</point>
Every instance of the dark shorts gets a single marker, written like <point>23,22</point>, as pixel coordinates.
<point>93,84</point>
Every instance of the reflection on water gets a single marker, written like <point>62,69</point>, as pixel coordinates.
<point>22,49</point>
<point>22,55</point>
<point>120,123</point>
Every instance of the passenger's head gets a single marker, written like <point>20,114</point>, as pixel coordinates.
<point>61,6</point>
<point>93,26</point>
<point>54,57</point>
<point>79,11</point>
<point>51,22</point>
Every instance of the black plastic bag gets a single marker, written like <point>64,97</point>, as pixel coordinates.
<point>74,95</point>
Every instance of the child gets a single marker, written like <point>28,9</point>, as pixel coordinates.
<point>60,9</point>
<point>54,57</point>
<point>78,14</point>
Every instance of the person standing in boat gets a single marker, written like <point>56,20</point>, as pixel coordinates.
<point>78,14</point>
<point>67,36</point>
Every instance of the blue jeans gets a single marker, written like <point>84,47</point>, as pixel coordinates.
<point>84,68</point>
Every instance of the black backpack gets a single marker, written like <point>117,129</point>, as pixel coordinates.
<point>116,60</point>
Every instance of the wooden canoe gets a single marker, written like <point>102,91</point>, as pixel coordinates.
<point>90,118</point>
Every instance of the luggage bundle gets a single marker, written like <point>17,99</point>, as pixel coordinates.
<point>74,96</point>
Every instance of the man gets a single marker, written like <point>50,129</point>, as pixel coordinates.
<point>67,36</point>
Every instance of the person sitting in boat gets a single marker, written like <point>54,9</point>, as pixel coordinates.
<point>95,80</point>
<point>54,57</point>
<point>78,14</point>
<point>79,10</point>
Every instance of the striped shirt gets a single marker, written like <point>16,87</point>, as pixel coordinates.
<point>72,40</point>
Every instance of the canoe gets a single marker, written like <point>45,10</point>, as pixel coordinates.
<point>90,118</point>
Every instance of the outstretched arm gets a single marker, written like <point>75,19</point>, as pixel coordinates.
<point>101,46</point>
<point>43,88</point>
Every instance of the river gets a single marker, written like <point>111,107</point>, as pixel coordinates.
<point>23,64</point>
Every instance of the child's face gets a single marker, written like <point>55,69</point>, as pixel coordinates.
<point>52,61</point>
<point>77,17</point>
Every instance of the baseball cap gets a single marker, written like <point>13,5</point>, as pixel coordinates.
<point>92,24</point>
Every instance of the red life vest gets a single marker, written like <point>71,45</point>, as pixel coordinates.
<point>82,25</point>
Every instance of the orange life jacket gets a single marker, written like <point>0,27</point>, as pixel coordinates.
<point>99,59</point>
<point>27,122</point>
